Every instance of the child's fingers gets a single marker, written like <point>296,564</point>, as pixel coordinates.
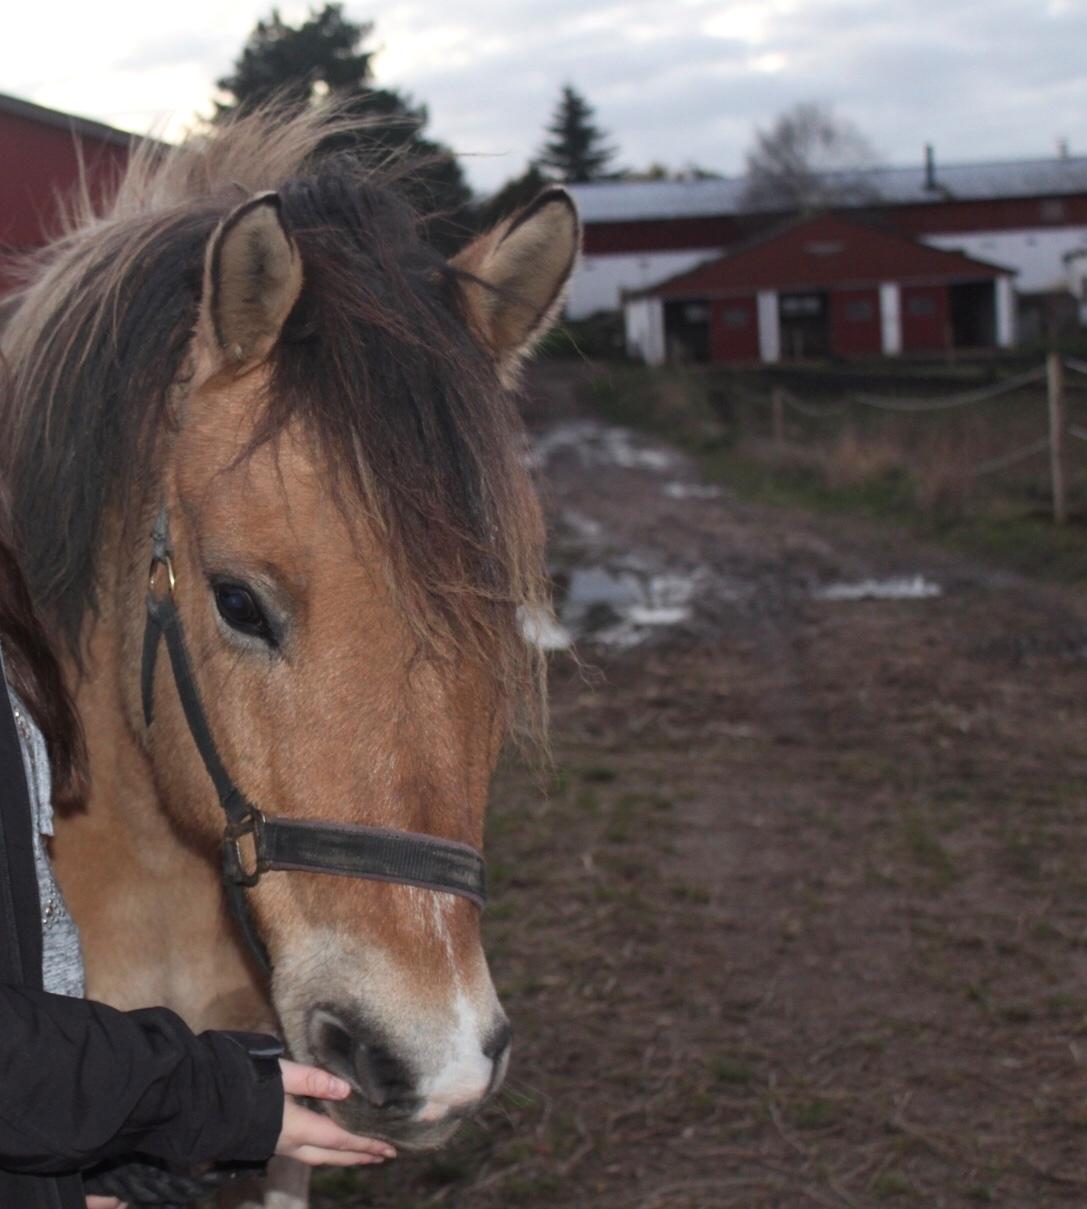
<point>315,1156</point>
<point>300,1080</point>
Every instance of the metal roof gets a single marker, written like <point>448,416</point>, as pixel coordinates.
<point>629,201</point>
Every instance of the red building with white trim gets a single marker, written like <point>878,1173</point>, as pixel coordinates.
<point>42,155</point>
<point>1029,216</point>
<point>823,287</point>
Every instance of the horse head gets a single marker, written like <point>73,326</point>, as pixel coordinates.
<point>354,540</point>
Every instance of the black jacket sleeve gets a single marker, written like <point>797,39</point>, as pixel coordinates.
<point>81,1082</point>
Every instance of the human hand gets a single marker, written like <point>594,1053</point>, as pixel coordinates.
<point>105,1202</point>
<point>316,1140</point>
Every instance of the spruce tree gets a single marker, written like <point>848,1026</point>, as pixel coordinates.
<point>326,56</point>
<point>577,150</point>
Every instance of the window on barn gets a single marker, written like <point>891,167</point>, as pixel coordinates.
<point>824,247</point>
<point>696,312</point>
<point>1051,210</point>
<point>921,306</point>
<point>797,305</point>
<point>735,316</point>
<point>858,310</point>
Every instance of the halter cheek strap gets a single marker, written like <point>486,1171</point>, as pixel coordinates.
<point>254,843</point>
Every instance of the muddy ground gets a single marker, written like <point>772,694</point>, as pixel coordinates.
<point>800,916</point>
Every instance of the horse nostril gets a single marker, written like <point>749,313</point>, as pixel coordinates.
<point>498,1042</point>
<point>354,1055</point>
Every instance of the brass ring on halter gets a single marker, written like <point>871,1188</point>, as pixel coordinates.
<point>152,574</point>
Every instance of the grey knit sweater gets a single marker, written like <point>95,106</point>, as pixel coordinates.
<point>62,958</point>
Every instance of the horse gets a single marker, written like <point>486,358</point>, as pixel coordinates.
<point>253,343</point>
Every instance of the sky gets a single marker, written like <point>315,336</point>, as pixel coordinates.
<point>676,82</point>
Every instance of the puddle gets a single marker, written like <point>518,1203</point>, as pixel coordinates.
<point>691,491</point>
<point>581,526</point>
<point>622,606</point>
<point>541,629</point>
<point>600,445</point>
<point>905,587</point>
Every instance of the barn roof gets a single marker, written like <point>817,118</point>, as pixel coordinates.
<point>84,127</point>
<point>821,252</point>
<point>629,201</point>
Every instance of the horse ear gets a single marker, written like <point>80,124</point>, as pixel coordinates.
<point>252,279</point>
<point>515,276</point>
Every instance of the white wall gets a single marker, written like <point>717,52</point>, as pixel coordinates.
<point>890,317</point>
<point>1037,255</point>
<point>1005,311</point>
<point>769,326</point>
<point>643,320</point>
<point>600,280</point>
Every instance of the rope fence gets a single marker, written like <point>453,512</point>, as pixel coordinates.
<point>966,399</point>
<point>1052,373</point>
<point>993,465</point>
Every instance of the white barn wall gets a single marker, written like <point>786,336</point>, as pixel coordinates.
<point>599,281</point>
<point>643,321</point>
<point>766,308</point>
<point>1037,255</point>
<point>1005,311</point>
<point>890,318</point>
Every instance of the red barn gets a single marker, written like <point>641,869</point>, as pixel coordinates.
<point>823,287</point>
<point>1027,215</point>
<point>42,155</point>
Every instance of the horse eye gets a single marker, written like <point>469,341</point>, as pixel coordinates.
<point>238,608</point>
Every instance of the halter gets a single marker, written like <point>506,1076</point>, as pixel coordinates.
<point>297,845</point>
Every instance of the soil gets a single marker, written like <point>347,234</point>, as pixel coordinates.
<point>799,916</point>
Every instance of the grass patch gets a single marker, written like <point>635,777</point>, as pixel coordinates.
<point>926,850</point>
<point>725,1068</point>
<point>527,1189</point>
<point>812,1114</point>
<point>599,774</point>
<point>912,470</point>
<point>685,892</point>
<point>891,1184</point>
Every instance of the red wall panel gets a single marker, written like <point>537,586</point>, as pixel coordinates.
<point>661,235</point>
<point>995,214</point>
<point>37,161</point>
<point>855,329</point>
<point>926,323</point>
<point>734,329</point>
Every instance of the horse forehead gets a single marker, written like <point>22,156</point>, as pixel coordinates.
<point>222,476</point>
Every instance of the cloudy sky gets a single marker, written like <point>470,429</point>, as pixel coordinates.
<point>673,81</point>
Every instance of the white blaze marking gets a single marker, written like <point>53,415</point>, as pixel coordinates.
<point>466,1074</point>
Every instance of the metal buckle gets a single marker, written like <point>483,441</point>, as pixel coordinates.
<point>233,858</point>
<point>152,574</point>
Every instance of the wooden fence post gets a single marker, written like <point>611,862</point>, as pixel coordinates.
<point>777,404</point>
<point>1055,381</point>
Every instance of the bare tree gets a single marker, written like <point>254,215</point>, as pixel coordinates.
<point>809,159</point>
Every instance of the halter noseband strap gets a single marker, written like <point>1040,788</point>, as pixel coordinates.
<point>254,843</point>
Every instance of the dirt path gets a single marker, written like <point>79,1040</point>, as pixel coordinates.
<point>801,918</point>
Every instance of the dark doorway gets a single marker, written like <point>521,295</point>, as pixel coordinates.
<point>805,325</point>
<point>973,314</point>
<point>687,331</point>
